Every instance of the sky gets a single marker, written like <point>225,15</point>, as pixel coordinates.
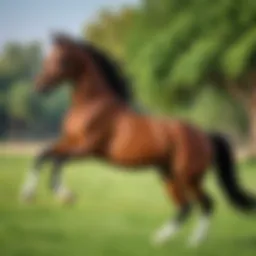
<point>29,20</point>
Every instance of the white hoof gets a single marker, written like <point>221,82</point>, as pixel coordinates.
<point>165,233</point>
<point>65,196</point>
<point>200,233</point>
<point>28,191</point>
<point>27,195</point>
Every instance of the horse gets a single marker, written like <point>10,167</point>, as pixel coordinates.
<point>101,122</point>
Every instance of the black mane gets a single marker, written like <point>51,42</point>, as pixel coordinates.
<point>115,78</point>
<point>111,71</point>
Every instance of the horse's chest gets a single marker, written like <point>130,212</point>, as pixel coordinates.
<point>77,123</point>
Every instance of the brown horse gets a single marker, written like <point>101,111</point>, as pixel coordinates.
<point>101,123</point>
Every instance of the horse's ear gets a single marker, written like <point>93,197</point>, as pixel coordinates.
<point>62,39</point>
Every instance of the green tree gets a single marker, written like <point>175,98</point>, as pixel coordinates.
<point>111,31</point>
<point>18,106</point>
<point>18,65</point>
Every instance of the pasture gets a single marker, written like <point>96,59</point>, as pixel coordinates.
<point>116,214</point>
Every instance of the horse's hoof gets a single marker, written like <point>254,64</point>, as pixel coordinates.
<point>66,197</point>
<point>156,241</point>
<point>165,233</point>
<point>27,197</point>
<point>159,239</point>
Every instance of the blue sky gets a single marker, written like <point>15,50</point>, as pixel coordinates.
<point>27,20</point>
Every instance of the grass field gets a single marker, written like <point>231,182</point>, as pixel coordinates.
<point>116,214</point>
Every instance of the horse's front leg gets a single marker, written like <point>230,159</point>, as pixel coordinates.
<point>32,177</point>
<point>62,192</point>
<point>57,154</point>
<point>82,148</point>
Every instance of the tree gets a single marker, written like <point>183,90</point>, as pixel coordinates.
<point>18,106</point>
<point>18,63</point>
<point>111,30</point>
<point>204,43</point>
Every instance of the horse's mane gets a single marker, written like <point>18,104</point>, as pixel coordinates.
<point>116,80</point>
<point>112,72</point>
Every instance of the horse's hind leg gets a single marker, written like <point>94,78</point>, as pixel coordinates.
<point>206,205</point>
<point>177,193</point>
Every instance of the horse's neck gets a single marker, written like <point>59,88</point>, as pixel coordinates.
<point>97,79</point>
<point>94,86</point>
<point>87,92</point>
<point>87,89</point>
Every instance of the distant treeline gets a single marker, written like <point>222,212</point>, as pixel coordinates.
<point>23,113</point>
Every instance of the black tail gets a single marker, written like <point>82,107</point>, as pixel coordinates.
<point>225,164</point>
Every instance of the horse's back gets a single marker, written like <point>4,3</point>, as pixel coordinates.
<point>138,140</point>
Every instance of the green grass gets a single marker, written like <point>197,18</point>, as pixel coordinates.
<point>116,213</point>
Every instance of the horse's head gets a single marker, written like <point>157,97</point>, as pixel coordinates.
<point>76,61</point>
<point>63,63</point>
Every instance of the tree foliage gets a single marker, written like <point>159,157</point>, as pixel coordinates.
<point>176,49</point>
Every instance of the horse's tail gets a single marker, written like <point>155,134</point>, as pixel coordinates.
<point>225,165</point>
